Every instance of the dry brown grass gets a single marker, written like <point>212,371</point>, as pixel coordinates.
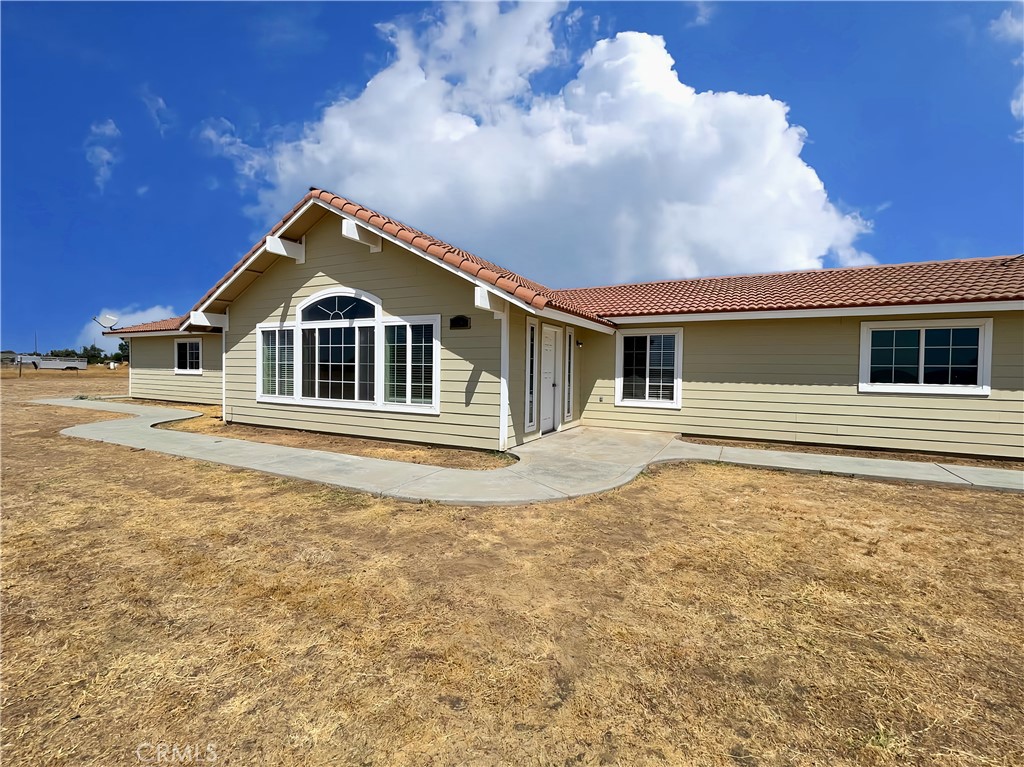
<point>702,615</point>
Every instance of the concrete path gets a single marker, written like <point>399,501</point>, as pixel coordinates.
<point>572,463</point>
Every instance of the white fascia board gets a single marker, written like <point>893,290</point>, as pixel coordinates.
<point>432,259</point>
<point>242,269</point>
<point>572,319</point>
<point>155,333</point>
<point>978,307</point>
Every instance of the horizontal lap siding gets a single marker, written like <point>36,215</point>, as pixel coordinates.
<point>151,371</point>
<point>796,381</point>
<point>407,285</point>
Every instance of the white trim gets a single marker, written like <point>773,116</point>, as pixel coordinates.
<point>406,246</point>
<point>241,270</point>
<point>223,376</point>
<point>980,307</point>
<point>677,385</point>
<point>156,333</point>
<point>341,290</point>
<point>530,420</point>
<point>568,379</point>
<point>984,385</point>
<point>557,406</point>
<point>572,319</point>
<point>503,408</point>
<point>131,365</point>
<point>380,321</point>
<point>188,371</point>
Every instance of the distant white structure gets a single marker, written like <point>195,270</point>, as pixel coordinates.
<point>40,362</point>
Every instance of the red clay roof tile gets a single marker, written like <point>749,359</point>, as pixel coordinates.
<point>171,323</point>
<point>998,278</point>
<point>976,279</point>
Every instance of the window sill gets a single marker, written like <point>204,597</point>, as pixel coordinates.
<point>662,404</point>
<point>344,405</point>
<point>187,372</point>
<point>933,389</point>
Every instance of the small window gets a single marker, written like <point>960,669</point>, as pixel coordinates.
<point>649,369</point>
<point>929,356</point>
<point>188,356</point>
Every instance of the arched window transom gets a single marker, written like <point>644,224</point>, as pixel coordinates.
<point>335,308</point>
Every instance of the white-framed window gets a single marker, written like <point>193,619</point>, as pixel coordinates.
<point>188,356</point>
<point>532,372</point>
<point>648,367</point>
<point>951,356</point>
<point>342,351</point>
<point>570,358</point>
<point>277,369</point>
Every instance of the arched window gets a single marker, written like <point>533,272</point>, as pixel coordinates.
<point>334,308</point>
<point>350,355</point>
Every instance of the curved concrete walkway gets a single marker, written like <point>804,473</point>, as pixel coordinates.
<point>572,463</point>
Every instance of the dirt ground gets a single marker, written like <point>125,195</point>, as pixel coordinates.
<point>701,615</point>
<point>891,455</point>
<point>452,458</point>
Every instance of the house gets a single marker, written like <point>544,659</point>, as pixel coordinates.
<point>343,320</point>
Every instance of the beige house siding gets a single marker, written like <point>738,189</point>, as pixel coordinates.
<point>795,380</point>
<point>151,370</point>
<point>407,285</point>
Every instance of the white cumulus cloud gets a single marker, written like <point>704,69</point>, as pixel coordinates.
<point>1008,27</point>
<point>101,151</point>
<point>91,333</point>
<point>625,173</point>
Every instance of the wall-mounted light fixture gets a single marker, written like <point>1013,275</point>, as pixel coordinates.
<point>579,344</point>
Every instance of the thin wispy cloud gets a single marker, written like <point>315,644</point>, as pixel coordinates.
<point>101,151</point>
<point>1008,27</point>
<point>703,15</point>
<point>159,113</point>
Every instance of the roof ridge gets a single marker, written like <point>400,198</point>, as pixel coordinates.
<point>828,269</point>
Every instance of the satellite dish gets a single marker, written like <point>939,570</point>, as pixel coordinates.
<point>106,321</point>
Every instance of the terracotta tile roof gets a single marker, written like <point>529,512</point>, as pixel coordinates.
<point>998,278</point>
<point>171,323</point>
<point>527,291</point>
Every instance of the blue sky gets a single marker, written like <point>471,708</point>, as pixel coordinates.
<point>145,147</point>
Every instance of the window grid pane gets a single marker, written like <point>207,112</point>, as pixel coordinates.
<point>634,367</point>
<point>285,363</point>
<point>336,308</point>
<point>270,362</point>
<point>895,356</point>
<point>422,371</point>
<point>662,367</point>
<point>395,363</point>
<point>531,372</point>
<point>951,356</point>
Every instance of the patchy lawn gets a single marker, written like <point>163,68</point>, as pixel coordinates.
<point>702,615</point>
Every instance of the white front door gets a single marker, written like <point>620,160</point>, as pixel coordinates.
<point>549,377</point>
